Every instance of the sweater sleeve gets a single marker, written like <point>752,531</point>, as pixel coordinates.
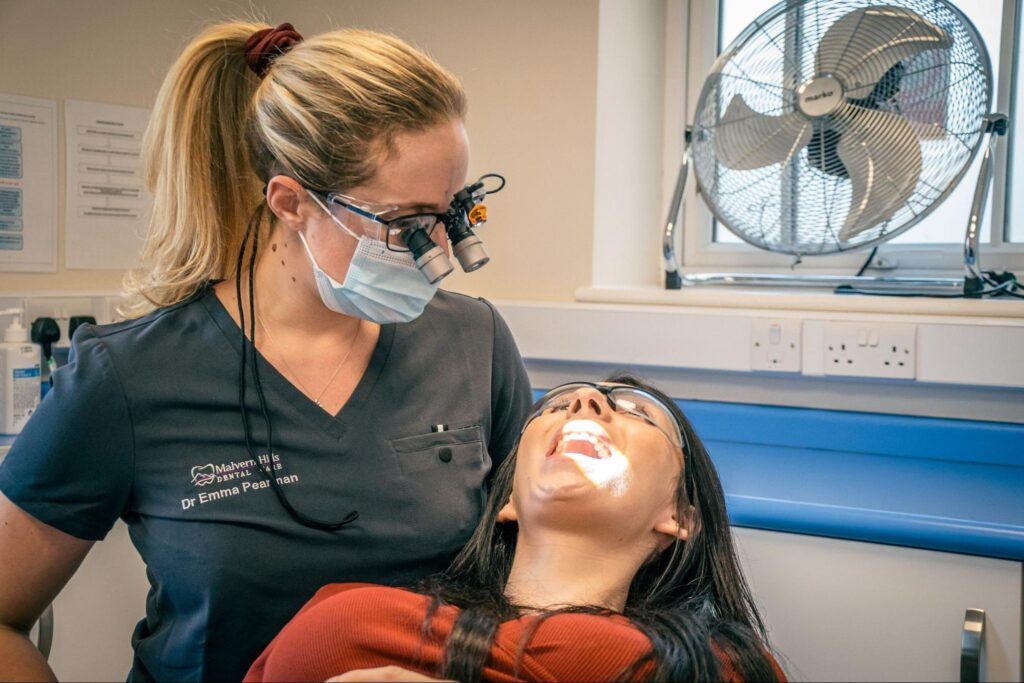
<point>585,647</point>
<point>258,669</point>
<point>351,626</point>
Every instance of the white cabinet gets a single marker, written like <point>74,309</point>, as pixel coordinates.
<point>95,614</point>
<point>841,610</point>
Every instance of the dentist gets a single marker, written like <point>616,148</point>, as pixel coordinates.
<point>291,402</point>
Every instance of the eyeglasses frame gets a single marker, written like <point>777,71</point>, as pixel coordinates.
<point>606,391</point>
<point>347,203</point>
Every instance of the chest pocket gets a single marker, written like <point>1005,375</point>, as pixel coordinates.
<point>461,448</point>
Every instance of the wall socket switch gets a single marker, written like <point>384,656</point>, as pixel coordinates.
<point>869,349</point>
<point>775,344</point>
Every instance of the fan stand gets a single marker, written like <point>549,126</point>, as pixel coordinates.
<point>995,126</point>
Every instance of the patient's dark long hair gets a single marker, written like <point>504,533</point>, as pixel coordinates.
<point>688,600</point>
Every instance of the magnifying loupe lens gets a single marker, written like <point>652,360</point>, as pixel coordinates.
<point>471,253</point>
<point>434,264</point>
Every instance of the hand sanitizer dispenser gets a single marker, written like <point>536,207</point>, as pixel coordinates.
<point>20,375</point>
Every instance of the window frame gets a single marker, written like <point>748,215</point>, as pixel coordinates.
<point>697,42</point>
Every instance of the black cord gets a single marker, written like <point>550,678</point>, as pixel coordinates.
<point>1001,284</point>
<point>995,279</point>
<point>1001,289</point>
<point>268,471</point>
<point>500,177</point>
<point>241,330</point>
<point>871,257</point>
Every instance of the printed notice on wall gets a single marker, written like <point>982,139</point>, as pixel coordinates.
<point>107,206</point>
<point>28,184</point>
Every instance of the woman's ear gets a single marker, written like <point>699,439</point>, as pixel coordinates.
<point>671,527</point>
<point>284,196</point>
<point>508,512</point>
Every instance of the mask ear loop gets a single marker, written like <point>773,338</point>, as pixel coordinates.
<point>334,218</point>
<point>268,471</point>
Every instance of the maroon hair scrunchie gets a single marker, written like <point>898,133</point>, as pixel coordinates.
<point>266,45</point>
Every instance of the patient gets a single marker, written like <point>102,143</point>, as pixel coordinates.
<point>604,553</point>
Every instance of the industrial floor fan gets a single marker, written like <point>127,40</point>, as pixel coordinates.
<point>835,125</point>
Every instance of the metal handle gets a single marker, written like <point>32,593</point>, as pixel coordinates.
<point>971,640</point>
<point>44,636</point>
<point>668,236</point>
<point>996,126</point>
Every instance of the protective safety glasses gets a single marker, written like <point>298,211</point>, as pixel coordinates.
<point>622,398</point>
<point>391,231</point>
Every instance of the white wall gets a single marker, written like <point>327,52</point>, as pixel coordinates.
<point>630,105</point>
<point>529,67</point>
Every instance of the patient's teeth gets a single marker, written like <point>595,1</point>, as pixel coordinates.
<point>597,445</point>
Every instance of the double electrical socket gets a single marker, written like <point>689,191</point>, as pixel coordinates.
<point>869,349</point>
<point>826,347</point>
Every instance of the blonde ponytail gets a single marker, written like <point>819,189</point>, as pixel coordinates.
<point>198,169</point>
<point>321,114</point>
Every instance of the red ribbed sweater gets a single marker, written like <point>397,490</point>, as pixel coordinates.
<point>359,626</point>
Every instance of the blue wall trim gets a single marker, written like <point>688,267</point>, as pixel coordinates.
<point>953,485</point>
<point>869,433</point>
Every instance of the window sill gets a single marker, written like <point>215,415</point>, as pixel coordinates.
<point>802,300</point>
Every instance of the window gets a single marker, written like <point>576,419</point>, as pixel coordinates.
<point>1014,215</point>
<point>935,243</point>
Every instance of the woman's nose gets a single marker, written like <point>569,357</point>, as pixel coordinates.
<point>590,403</point>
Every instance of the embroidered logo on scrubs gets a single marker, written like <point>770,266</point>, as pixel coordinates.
<point>210,473</point>
<point>203,475</point>
<point>226,474</point>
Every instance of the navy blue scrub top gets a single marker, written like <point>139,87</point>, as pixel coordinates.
<point>143,424</point>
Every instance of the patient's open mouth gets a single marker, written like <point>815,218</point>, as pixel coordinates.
<point>582,437</point>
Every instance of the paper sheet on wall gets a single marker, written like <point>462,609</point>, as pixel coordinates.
<point>107,205</point>
<point>28,184</point>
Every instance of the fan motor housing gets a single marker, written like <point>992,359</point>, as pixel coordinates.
<point>819,96</point>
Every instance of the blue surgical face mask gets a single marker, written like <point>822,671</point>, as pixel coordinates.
<point>381,285</point>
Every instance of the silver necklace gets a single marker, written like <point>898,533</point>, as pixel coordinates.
<point>288,367</point>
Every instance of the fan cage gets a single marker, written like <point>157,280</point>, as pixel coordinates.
<point>797,207</point>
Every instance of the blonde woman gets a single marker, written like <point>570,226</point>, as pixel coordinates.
<point>292,403</point>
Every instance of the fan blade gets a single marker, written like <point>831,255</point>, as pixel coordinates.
<point>864,44</point>
<point>745,139</point>
<point>882,154</point>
